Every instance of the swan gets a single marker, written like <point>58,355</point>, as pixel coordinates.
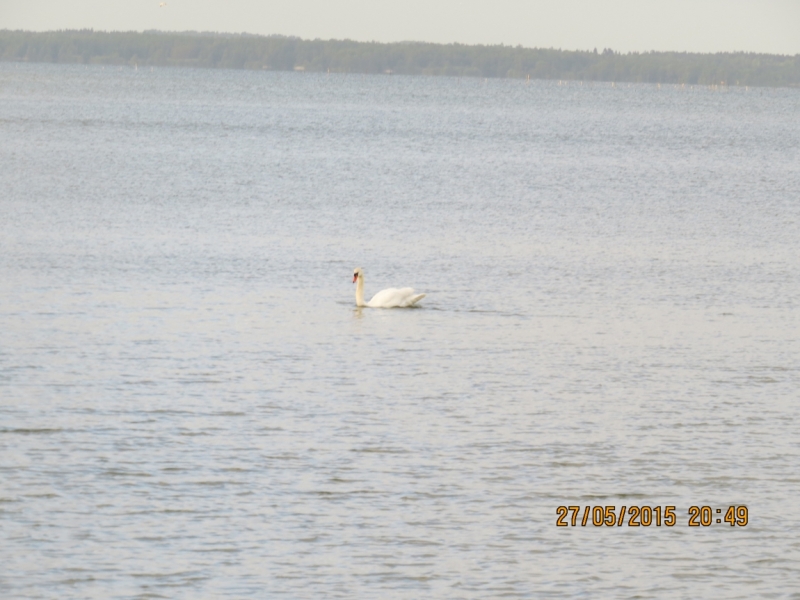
<point>388,298</point>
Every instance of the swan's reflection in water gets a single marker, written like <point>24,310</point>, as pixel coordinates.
<point>358,312</point>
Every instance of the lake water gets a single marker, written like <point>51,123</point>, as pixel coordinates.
<point>191,406</point>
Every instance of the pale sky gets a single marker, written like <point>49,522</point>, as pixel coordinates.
<point>771,26</point>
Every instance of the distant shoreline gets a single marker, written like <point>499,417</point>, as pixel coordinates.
<point>280,53</point>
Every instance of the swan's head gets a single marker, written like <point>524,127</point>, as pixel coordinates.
<point>358,274</point>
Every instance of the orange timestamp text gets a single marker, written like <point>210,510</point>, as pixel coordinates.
<point>645,516</point>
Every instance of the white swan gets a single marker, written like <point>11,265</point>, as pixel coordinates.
<point>388,298</point>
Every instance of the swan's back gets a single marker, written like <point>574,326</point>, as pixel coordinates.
<point>395,298</point>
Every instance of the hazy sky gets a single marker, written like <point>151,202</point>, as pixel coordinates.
<point>771,26</point>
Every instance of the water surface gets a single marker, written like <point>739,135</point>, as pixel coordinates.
<point>191,405</point>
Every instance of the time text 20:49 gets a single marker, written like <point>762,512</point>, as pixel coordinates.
<point>645,516</point>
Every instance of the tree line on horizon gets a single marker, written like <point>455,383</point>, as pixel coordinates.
<point>281,53</point>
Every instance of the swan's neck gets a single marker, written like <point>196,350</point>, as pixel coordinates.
<point>360,292</point>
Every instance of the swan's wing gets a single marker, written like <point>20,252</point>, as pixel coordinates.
<point>413,299</point>
<point>388,298</point>
<point>394,297</point>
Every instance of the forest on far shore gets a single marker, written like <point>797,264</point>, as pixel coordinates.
<point>280,53</point>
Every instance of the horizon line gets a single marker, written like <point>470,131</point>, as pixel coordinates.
<point>406,42</point>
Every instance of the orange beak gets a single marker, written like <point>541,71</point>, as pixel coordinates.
<point>355,276</point>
